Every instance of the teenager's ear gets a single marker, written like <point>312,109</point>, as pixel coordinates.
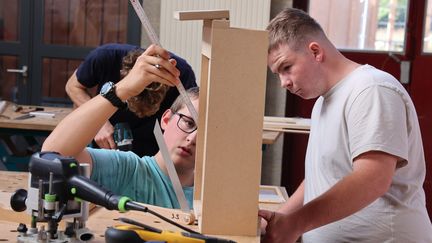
<point>165,118</point>
<point>316,51</point>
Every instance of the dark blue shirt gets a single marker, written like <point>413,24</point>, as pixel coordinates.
<point>103,64</point>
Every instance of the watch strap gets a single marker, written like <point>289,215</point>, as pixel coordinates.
<point>112,97</point>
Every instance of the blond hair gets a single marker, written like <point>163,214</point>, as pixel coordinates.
<point>293,27</point>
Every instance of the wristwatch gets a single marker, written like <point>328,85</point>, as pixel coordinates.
<point>108,91</point>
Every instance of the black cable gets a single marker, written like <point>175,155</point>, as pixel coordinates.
<point>141,225</point>
<point>135,206</point>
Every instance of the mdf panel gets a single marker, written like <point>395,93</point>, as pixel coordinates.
<point>232,127</point>
<point>200,146</point>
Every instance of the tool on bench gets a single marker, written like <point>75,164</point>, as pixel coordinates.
<point>138,232</point>
<point>42,114</point>
<point>155,40</point>
<point>25,110</point>
<point>29,112</point>
<point>23,117</point>
<point>59,188</point>
<point>50,199</point>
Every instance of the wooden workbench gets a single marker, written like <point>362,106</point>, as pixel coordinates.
<point>99,219</point>
<point>7,118</point>
<point>21,137</point>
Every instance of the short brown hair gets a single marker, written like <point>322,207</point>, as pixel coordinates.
<point>291,26</point>
<point>148,102</point>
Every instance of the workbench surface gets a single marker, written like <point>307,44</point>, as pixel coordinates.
<point>99,220</point>
<point>7,118</point>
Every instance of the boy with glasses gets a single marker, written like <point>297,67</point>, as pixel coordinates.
<point>143,179</point>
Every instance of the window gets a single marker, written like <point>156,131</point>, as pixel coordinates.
<point>369,25</point>
<point>427,39</point>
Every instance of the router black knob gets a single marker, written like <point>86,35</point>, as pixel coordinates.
<point>22,228</point>
<point>18,199</point>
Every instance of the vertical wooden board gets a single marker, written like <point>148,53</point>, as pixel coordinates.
<point>206,39</point>
<point>200,150</point>
<point>200,144</point>
<point>232,160</point>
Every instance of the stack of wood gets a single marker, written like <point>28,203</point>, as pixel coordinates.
<point>286,124</point>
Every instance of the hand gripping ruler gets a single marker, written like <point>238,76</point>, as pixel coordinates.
<point>155,40</point>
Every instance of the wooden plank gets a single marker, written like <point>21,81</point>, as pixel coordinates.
<point>225,143</point>
<point>286,125</point>
<point>281,119</point>
<point>206,41</point>
<point>200,145</point>
<point>286,130</point>
<point>202,14</point>
<point>270,137</point>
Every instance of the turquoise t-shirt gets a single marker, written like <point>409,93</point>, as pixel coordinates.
<point>140,179</point>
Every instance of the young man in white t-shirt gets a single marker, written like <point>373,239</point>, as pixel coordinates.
<point>365,166</point>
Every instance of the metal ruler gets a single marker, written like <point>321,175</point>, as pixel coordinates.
<point>172,173</point>
<point>155,40</point>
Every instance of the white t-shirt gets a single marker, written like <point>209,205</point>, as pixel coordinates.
<point>368,110</point>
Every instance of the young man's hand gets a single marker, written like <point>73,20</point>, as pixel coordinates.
<point>280,227</point>
<point>154,65</point>
<point>104,138</point>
